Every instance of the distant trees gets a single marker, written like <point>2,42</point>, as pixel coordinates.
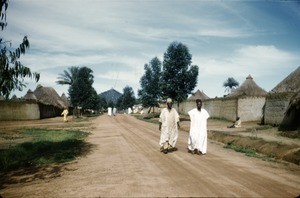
<point>179,77</point>
<point>230,84</point>
<point>127,99</point>
<point>12,71</point>
<point>150,82</point>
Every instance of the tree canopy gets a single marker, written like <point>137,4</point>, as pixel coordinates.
<point>150,82</point>
<point>12,71</point>
<point>230,84</point>
<point>127,99</point>
<point>179,77</point>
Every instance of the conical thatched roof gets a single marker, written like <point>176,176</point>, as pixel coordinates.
<point>48,96</point>
<point>198,95</point>
<point>248,88</point>
<point>290,84</point>
<point>65,99</point>
<point>14,97</point>
<point>30,96</point>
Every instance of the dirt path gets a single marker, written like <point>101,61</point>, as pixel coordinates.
<point>125,162</point>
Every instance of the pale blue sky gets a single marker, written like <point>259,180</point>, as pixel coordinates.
<point>116,38</point>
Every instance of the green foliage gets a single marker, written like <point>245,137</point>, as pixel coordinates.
<point>127,99</point>
<point>68,77</point>
<point>230,84</point>
<point>150,91</point>
<point>47,146</point>
<point>12,71</point>
<point>247,151</point>
<point>179,77</point>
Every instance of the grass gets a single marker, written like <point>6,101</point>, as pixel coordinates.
<point>44,147</point>
<point>248,151</point>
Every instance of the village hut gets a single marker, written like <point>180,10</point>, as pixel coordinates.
<point>189,104</point>
<point>30,96</point>
<point>290,84</point>
<point>14,97</point>
<point>248,88</point>
<point>291,120</point>
<point>198,95</point>
<point>51,105</point>
<point>246,102</point>
<point>282,103</point>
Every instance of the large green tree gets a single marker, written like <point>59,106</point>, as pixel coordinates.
<point>150,91</point>
<point>179,77</point>
<point>12,71</point>
<point>127,99</point>
<point>230,84</point>
<point>68,76</point>
<point>81,90</point>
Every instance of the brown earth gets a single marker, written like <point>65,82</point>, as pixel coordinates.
<point>123,160</point>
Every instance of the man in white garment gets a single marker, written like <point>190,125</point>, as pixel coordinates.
<point>197,143</point>
<point>168,125</point>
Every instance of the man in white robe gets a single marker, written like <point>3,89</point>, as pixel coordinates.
<point>168,125</point>
<point>197,142</point>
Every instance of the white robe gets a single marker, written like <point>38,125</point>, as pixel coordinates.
<point>198,130</point>
<point>169,128</point>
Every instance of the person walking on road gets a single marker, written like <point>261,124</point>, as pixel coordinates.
<point>197,142</point>
<point>168,125</point>
<point>65,114</point>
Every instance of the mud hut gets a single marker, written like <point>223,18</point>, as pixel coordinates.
<point>248,88</point>
<point>50,103</point>
<point>189,104</point>
<point>30,96</point>
<point>246,102</point>
<point>198,95</point>
<point>282,103</point>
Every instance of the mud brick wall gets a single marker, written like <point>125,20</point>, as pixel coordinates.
<point>251,108</point>
<point>19,110</point>
<point>276,106</point>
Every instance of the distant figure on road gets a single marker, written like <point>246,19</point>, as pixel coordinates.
<point>197,142</point>
<point>168,125</point>
<point>236,124</point>
<point>65,114</point>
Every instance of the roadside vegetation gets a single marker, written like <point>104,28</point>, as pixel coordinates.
<point>33,147</point>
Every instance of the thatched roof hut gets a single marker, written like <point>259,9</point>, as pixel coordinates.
<point>48,96</point>
<point>290,84</point>
<point>14,97</point>
<point>30,96</point>
<point>248,88</point>
<point>65,99</point>
<point>291,120</point>
<point>198,95</point>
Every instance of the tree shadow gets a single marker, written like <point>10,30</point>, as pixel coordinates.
<point>41,160</point>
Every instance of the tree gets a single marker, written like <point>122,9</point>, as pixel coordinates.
<point>68,77</point>
<point>150,91</point>
<point>81,90</point>
<point>127,99</point>
<point>12,71</point>
<point>179,77</point>
<point>230,84</point>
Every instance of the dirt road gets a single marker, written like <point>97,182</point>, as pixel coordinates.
<point>125,162</point>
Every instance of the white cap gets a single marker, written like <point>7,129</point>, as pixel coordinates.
<point>169,100</point>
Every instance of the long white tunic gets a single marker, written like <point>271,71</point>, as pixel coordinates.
<point>169,128</point>
<point>198,130</point>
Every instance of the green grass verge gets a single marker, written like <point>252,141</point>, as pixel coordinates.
<point>248,151</point>
<point>45,147</point>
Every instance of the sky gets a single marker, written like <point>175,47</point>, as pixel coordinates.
<point>116,38</point>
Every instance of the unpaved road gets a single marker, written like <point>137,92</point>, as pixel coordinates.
<point>125,162</point>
